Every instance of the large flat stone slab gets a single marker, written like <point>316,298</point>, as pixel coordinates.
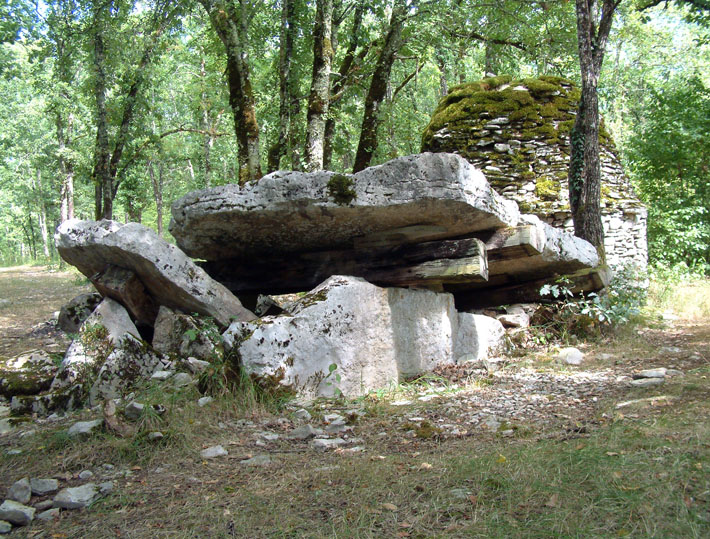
<point>411,199</point>
<point>168,275</point>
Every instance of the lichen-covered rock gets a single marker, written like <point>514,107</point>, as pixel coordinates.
<point>98,336</point>
<point>294,211</point>
<point>130,362</point>
<point>20,490</point>
<point>349,337</point>
<point>16,513</point>
<point>181,335</point>
<point>77,497</point>
<point>73,313</point>
<point>518,133</point>
<point>167,273</point>
<point>62,400</point>
<point>27,374</point>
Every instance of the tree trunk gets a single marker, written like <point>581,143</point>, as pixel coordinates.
<point>340,83</point>
<point>279,148</point>
<point>66,168</point>
<point>157,183</point>
<point>102,155</point>
<point>443,85</point>
<point>41,212</point>
<point>230,22</point>
<point>319,97</point>
<point>585,172</point>
<point>378,88</point>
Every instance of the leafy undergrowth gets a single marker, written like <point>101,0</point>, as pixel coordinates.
<point>639,470</point>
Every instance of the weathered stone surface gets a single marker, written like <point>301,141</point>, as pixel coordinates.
<point>129,363</point>
<point>478,337</point>
<point>27,374</point>
<point>73,313</point>
<point>349,336</point>
<point>49,514</point>
<point>64,399</point>
<point>181,335</point>
<point>98,335</point>
<point>214,452</point>
<point>570,356</point>
<point>41,487</point>
<point>125,286</point>
<point>659,372</point>
<point>5,527</point>
<point>77,497</point>
<point>170,277</point>
<point>415,198</point>
<point>134,410</point>
<point>84,428</point>
<point>16,513</point>
<point>20,490</point>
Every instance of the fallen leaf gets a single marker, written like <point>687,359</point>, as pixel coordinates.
<point>389,506</point>
<point>611,454</point>
<point>473,499</point>
<point>425,466</point>
<point>552,502</point>
<point>403,534</point>
<point>617,475</point>
<point>405,524</point>
<point>501,459</point>
<point>579,446</point>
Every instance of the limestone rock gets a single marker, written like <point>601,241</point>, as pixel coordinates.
<point>195,365</point>
<point>134,410</point>
<point>16,513</point>
<point>73,313</point>
<point>170,277</point>
<point>49,514</point>
<point>213,452</point>
<point>20,491</point>
<point>294,211</point>
<point>651,373</point>
<point>27,374</point>
<point>323,444</point>
<point>647,382</point>
<point>348,336</point>
<point>182,379</point>
<point>570,356</point>
<point>84,428</point>
<point>204,401</point>
<point>303,433</point>
<point>64,400</point>
<point>98,335</point>
<point>41,487</point>
<point>182,335</point>
<point>478,337</point>
<point>129,363</point>
<point>5,527</point>
<point>258,460</point>
<point>77,497</point>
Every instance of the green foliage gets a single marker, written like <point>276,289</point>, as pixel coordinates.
<point>669,158</point>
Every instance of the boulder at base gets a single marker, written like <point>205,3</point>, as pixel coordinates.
<point>169,276</point>
<point>26,374</point>
<point>348,337</point>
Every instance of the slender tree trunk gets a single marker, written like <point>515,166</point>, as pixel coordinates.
<point>340,83</point>
<point>280,147</point>
<point>378,88</point>
<point>230,22</point>
<point>593,29</point>
<point>157,183</point>
<point>319,98</point>
<point>443,85</point>
<point>41,212</point>
<point>66,168</point>
<point>208,138</point>
<point>102,155</point>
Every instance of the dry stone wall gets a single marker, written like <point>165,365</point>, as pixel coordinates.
<point>518,133</point>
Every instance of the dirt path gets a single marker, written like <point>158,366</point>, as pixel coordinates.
<point>29,295</point>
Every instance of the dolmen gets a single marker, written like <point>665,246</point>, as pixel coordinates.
<point>386,263</point>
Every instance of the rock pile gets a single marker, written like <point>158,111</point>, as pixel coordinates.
<point>518,133</point>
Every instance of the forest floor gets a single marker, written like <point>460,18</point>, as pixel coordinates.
<point>531,448</point>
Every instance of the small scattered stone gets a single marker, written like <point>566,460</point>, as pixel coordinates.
<point>213,452</point>
<point>302,415</point>
<point>492,423</point>
<point>16,513</point>
<point>76,497</point>
<point>651,373</point>
<point>401,403</point>
<point>5,527</point>
<point>106,488</point>
<point>5,426</point>
<point>303,433</point>
<point>195,365</point>
<point>182,379</point>
<point>86,474</point>
<point>336,427</point>
<point>332,418</point>
<point>258,460</point>
<point>134,410</point>
<point>204,401</point>
<point>650,401</point>
<point>50,514</point>
<point>84,428</point>
<point>673,372</point>
<point>44,505</point>
<point>161,376</point>
<point>155,435</point>
<point>13,452</point>
<point>460,493</point>
<point>646,382</point>
<point>570,356</point>
<point>323,444</point>
<point>20,491</point>
<point>671,350</point>
<point>108,467</point>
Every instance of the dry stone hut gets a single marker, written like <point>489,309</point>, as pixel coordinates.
<point>518,133</point>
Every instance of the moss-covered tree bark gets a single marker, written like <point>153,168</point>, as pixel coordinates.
<point>593,26</point>
<point>378,87</point>
<point>319,98</point>
<point>230,22</point>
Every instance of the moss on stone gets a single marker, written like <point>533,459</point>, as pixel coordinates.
<point>547,188</point>
<point>340,187</point>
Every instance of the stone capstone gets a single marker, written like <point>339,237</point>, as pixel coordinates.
<point>169,276</point>
<point>294,211</point>
<point>348,337</point>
